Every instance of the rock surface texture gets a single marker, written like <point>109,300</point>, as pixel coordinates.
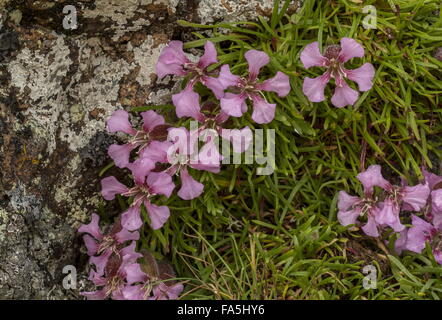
<point>57,88</point>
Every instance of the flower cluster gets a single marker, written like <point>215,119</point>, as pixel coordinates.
<point>230,89</point>
<point>156,153</point>
<point>383,208</point>
<point>117,271</point>
<point>428,229</point>
<point>159,143</point>
<point>163,152</point>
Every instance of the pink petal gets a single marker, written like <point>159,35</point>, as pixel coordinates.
<point>174,291</point>
<point>215,85</point>
<point>209,57</point>
<point>407,207</point>
<point>164,292</point>
<point>125,235</point>
<point>363,76</point>
<point>91,245</point>
<point>437,220</point>
<point>226,78</point>
<point>436,201</point>
<point>131,219</point>
<point>164,69</point>
<point>263,112</point>
<point>92,228</point>
<point>158,215</point>
<point>133,292</point>
<point>350,49</point>
<point>151,119</point>
<point>420,223</point>
<point>256,60</point>
<point>173,53</point>
<point>97,278</point>
<point>346,201</point>
<point>370,228</point>
<point>373,177</point>
<point>156,151</point>
<point>416,196</point>
<point>120,154</point>
<point>418,234</point>
<point>134,273</point>
<point>180,139</point>
<point>160,292</point>
<point>171,60</point>
<point>389,215</point>
<point>240,139</point>
<point>344,95</point>
<point>183,142</point>
<point>119,121</point>
<point>110,186</point>
<point>432,179</point>
<point>129,254</point>
<point>100,262</point>
<point>314,88</point>
<point>349,217</point>
<point>140,168</point>
<point>190,188</point>
<point>187,104</point>
<point>401,242</point>
<point>280,84</point>
<point>234,104</point>
<point>160,183</point>
<point>209,154</point>
<point>311,56</point>
<point>437,255</point>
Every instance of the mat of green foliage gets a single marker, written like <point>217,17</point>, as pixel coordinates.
<point>277,236</point>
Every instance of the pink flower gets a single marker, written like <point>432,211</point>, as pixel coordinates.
<point>401,242</point>
<point>414,198</point>
<point>156,151</point>
<point>234,104</point>
<point>401,198</point>
<point>182,155</point>
<point>167,292</point>
<point>187,104</point>
<point>153,128</point>
<point>351,208</point>
<point>147,185</point>
<point>113,281</point>
<point>434,181</point>
<point>173,60</point>
<point>372,177</point>
<point>100,247</point>
<point>436,202</point>
<point>380,213</point>
<point>148,287</point>
<point>389,215</point>
<point>153,284</point>
<point>333,60</point>
<point>422,232</point>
